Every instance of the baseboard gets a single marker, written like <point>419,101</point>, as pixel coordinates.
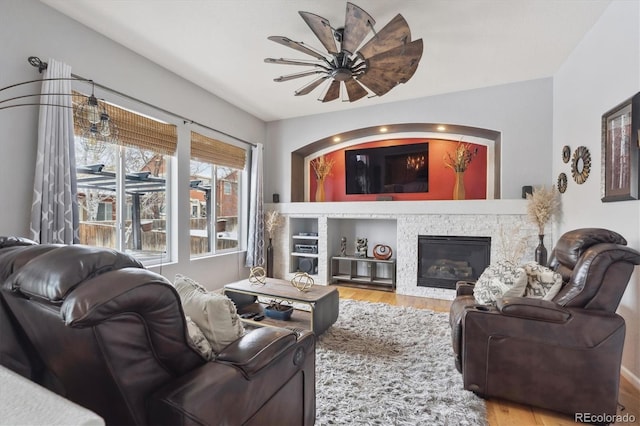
<point>632,378</point>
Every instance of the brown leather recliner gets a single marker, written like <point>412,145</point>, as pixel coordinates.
<point>96,327</point>
<point>563,355</point>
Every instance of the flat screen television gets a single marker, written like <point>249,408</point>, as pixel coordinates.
<point>388,169</point>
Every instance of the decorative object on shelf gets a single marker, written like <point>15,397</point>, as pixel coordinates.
<point>543,206</point>
<point>620,178</point>
<point>302,281</point>
<point>562,183</point>
<point>361,247</point>
<point>272,221</point>
<point>343,246</point>
<point>566,154</point>
<point>458,162</point>
<point>278,310</point>
<point>382,252</point>
<point>257,276</point>
<point>581,164</point>
<point>322,167</point>
<point>387,59</point>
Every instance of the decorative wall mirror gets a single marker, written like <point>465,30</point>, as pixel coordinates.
<point>566,154</point>
<point>581,164</point>
<point>562,182</point>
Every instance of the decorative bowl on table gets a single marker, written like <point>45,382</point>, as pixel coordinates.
<point>279,312</point>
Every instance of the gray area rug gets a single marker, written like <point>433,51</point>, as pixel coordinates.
<point>388,365</point>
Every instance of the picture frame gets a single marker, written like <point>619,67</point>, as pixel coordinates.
<point>621,151</point>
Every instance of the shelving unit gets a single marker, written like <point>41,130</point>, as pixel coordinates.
<point>304,245</point>
<point>379,274</point>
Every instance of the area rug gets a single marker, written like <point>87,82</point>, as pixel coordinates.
<point>389,365</point>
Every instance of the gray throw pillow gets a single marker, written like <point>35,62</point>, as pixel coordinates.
<point>542,282</point>
<point>498,280</point>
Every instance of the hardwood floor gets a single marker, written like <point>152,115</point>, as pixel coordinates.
<point>499,412</point>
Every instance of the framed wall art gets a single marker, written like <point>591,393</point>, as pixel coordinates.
<point>621,151</point>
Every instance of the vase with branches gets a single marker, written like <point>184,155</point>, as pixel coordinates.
<point>322,168</point>
<point>272,221</point>
<point>459,161</point>
<point>543,206</point>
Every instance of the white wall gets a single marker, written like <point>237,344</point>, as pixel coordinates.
<point>520,111</point>
<point>30,28</point>
<point>603,71</point>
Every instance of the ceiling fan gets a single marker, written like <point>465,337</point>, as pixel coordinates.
<point>384,61</point>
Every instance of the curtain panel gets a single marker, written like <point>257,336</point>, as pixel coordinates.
<point>255,240</point>
<point>54,211</point>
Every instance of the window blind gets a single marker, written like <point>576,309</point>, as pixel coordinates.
<point>213,151</point>
<point>134,130</point>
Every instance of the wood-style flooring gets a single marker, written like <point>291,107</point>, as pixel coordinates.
<point>499,412</point>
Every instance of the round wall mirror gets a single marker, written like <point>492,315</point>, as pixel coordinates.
<point>581,164</point>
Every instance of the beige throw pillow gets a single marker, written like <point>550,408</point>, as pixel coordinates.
<point>215,314</point>
<point>199,341</point>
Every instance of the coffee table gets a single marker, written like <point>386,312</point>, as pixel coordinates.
<point>321,300</point>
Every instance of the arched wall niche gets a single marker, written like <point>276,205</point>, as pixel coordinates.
<point>490,138</point>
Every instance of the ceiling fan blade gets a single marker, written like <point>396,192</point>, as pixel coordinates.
<point>394,34</point>
<point>309,87</point>
<point>355,90</point>
<point>393,66</point>
<point>296,45</point>
<point>333,92</point>
<point>293,62</point>
<point>357,24</point>
<point>322,29</point>
<point>296,75</point>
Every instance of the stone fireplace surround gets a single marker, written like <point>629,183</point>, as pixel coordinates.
<point>488,218</point>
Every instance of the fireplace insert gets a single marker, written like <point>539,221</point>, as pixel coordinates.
<point>445,260</point>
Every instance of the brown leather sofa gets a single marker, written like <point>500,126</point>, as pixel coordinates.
<point>96,327</point>
<point>564,354</point>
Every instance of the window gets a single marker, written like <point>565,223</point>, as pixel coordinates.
<point>122,183</point>
<point>216,173</point>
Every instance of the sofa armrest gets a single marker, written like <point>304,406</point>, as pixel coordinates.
<point>253,351</point>
<point>465,288</point>
<point>219,392</point>
<point>534,309</point>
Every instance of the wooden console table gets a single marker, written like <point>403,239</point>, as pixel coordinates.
<point>371,278</point>
<point>323,303</point>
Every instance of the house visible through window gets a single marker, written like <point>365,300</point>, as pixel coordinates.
<point>216,170</point>
<point>122,184</point>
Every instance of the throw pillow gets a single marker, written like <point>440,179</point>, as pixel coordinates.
<point>214,313</point>
<point>501,279</point>
<point>200,342</point>
<point>542,282</point>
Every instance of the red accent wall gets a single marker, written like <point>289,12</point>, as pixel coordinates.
<point>441,178</point>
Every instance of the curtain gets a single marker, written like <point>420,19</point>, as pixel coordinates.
<point>54,211</point>
<point>255,240</point>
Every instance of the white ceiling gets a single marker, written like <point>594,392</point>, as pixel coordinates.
<point>220,45</point>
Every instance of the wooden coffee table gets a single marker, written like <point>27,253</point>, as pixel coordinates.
<point>321,300</point>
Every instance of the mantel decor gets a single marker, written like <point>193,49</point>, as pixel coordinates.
<point>322,168</point>
<point>458,162</point>
<point>621,151</point>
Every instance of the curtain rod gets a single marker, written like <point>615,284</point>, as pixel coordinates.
<point>36,62</point>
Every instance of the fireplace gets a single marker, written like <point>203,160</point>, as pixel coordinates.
<point>445,260</point>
